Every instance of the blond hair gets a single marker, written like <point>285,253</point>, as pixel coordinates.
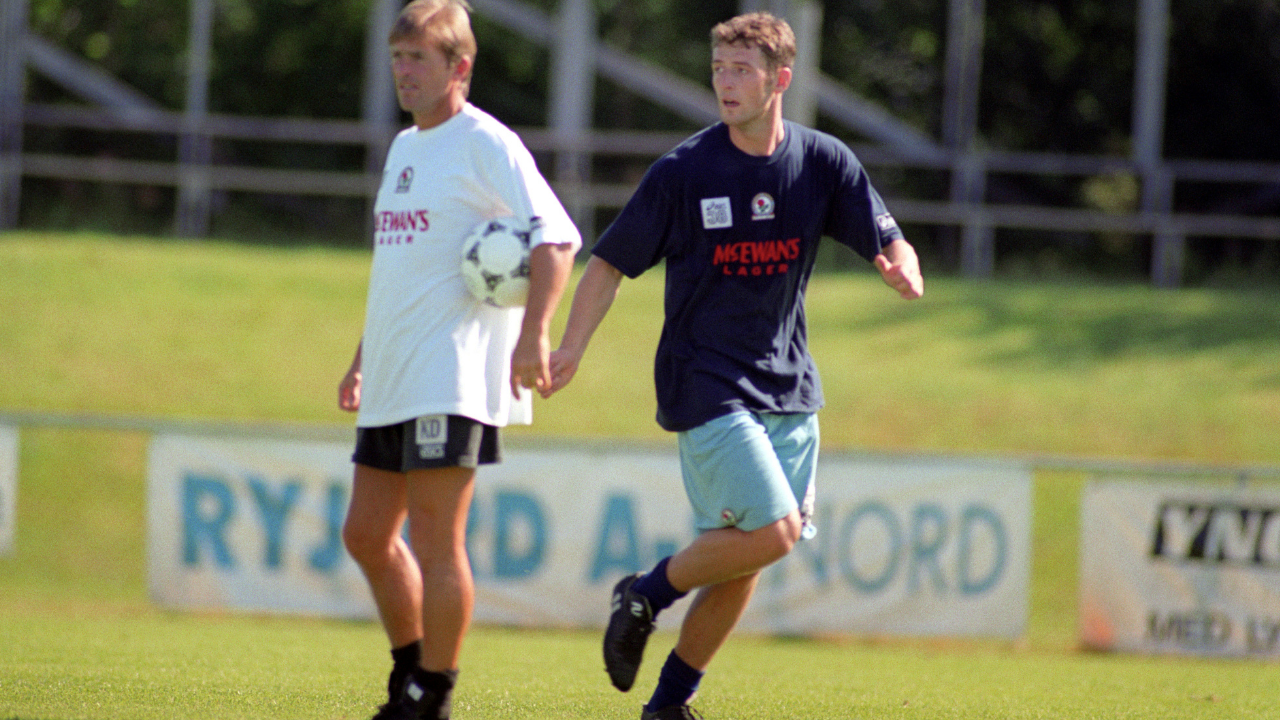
<point>443,23</point>
<point>771,34</point>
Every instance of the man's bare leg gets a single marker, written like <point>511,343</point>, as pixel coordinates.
<point>712,616</point>
<point>438,502</point>
<point>371,534</point>
<point>725,562</point>
<point>718,556</point>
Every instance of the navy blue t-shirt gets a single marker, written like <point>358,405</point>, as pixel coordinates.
<point>739,234</point>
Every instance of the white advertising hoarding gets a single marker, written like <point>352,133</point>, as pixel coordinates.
<point>8,487</point>
<point>1179,568</point>
<point>935,549</point>
<point>250,525</point>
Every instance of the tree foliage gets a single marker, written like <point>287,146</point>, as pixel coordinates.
<point>1057,74</point>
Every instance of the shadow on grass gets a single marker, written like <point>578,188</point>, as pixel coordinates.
<point>1067,324</point>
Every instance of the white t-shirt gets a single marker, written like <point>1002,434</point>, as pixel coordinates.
<point>429,346</point>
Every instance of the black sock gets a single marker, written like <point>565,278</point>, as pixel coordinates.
<point>676,684</point>
<point>436,681</point>
<point>403,662</point>
<point>657,588</point>
<point>408,655</point>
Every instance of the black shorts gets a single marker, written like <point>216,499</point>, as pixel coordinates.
<point>431,441</point>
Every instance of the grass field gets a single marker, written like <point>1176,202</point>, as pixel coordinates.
<point>132,327</point>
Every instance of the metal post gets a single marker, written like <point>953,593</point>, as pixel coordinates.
<point>1168,246</point>
<point>776,7</point>
<point>1150,80</point>
<point>977,237</point>
<point>966,29</point>
<point>573,71</point>
<point>13,63</point>
<point>195,148</point>
<point>380,111</point>
<point>800,103</point>
<point>965,38</point>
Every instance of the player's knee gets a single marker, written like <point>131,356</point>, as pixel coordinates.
<point>364,544</point>
<point>794,529</point>
<point>779,538</point>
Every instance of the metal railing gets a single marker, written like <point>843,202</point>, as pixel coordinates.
<point>972,216</point>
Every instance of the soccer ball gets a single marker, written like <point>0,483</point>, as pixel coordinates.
<point>495,262</point>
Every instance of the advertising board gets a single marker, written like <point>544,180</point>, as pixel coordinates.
<point>1171,567</point>
<point>8,487</point>
<point>901,548</point>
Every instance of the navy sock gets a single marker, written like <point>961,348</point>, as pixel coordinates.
<point>403,662</point>
<point>657,588</point>
<point>676,684</point>
<point>439,682</point>
<point>408,655</point>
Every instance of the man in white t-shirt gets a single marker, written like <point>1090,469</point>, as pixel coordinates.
<point>437,372</point>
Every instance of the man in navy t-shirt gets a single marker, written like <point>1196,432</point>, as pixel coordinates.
<point>736,212</point>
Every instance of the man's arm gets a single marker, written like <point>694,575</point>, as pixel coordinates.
<point>591,302</point>
<point>900,268</point>
<point>550,265</point>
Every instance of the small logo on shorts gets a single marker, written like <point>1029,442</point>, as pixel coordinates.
<point>432,432</point>
<point>728,518</point>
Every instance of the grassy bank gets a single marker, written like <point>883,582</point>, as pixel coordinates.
<point>208,330</point>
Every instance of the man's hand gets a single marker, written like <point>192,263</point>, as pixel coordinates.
<point>530,366</point>
<point>349,391</point>
<point>550,265</point>
<point>900,268</point>
<point>349,388</point>
<point>564,365</point>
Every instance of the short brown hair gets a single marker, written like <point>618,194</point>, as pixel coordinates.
<point>444,23</point>
<point>771,34</point>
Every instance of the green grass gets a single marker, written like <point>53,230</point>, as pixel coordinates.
<point>162,666</point>
<point>210,330</point>
<point>136,327</point>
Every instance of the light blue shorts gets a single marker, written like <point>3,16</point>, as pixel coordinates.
<point>749,470</point>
